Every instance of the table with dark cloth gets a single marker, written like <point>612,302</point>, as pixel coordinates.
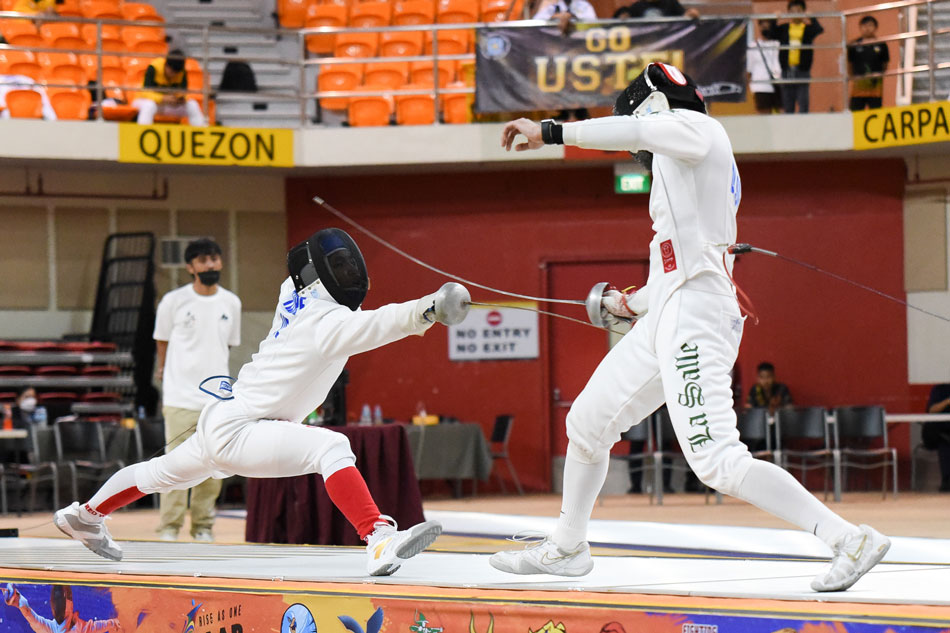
<point>298,509</point>
<point>450,451</point>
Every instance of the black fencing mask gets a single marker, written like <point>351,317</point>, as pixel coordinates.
<point>333,258</point>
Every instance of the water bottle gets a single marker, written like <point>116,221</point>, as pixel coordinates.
<point>141,413</point>
<point>366,418</point>
<point>40,417</point>
<point>377,414</point>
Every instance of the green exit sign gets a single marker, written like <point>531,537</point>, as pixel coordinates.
<point>632,183</point>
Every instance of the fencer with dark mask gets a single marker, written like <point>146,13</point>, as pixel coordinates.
<point>686,337</point>
<point>255,430</point>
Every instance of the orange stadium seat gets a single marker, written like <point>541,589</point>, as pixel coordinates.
<point>292,13</point>
<point>71,104</point>
<point>62,68</point>
<point>356,45</point>
<point>409,12</point>
<point>145,39</point>
<point>140,11</point>
<point>457,11</point>
<point>369,111</point>
<point>330,14</point>
<point>421,72</point>
<point>90,64</point>
<point>109,32</point>
<point>390,75</point>
<point>69,8</point>
<point>457,108</point>
<point>371,14</point>
<point>338,77</point>
<point>63,35</point>
<point>135,68</point>
<point>195,74</point>
<point>21,33</point>
<point>101,10</point>
<point>24,104</point>
<point>10,61</point>
<point>415,109</point>
<point>497,10</point>
<point>450,42</point>
<point>400,44</point>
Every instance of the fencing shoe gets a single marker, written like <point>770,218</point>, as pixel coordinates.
<point>854,557</point>
<point>94,536</point>
<point>387,548</point>
<point>544,557</point>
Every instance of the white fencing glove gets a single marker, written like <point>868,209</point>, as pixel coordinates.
<point>630,304</point>
<point>449,305</point>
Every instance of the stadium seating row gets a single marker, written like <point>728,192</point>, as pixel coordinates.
<point>75,37</point>
<point>296,14</point>
<point>101,9</point>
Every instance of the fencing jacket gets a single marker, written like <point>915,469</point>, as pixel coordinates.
<point>311,338</point>
<point>695,192</point>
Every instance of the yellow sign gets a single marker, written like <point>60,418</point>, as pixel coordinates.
<point>905,125</point>
<point>183,144</point>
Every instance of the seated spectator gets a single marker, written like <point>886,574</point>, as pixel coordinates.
<point>795,61</point>
<point>23,82</point>
<point>35,7</point>
<point>768,393</point>
<point>566,12</point>
<point>24,408</point>
<point>763,67</point>
<point>647,9</point>
<point>167,73</point>
<point>867,57</point>
<point>936,435</point>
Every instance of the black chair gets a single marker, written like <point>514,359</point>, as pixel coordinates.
<point>500,434</point>
<point>756,433</point>
<point>93,451</point>
<point>43,456</point>
<point>861,438</point>
<point>664,428</point>
<point>802,435</point>
<point>640,461</point>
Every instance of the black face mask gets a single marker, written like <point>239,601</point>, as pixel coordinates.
<point>209,277</point>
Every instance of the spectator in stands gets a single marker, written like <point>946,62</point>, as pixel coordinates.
<point>35,7</point>
<point>768,393</point>
<point>936,435</point>
<point>23,82</point>
<point>648,9</point>
<point>795,61</point>
<point>866,57</point>
<point>168,73</point>
<point>763,67</point>
<point>24,408</point>
<point>194,326</point>
<point>566,12</point>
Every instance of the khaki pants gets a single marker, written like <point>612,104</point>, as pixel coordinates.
<point>180,424</point>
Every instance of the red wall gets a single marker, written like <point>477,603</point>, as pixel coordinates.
<point>832,343</point>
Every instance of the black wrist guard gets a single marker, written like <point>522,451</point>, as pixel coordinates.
<point>552,133</point>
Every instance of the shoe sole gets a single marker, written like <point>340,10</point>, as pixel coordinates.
<point>63,527</point>
<point>420,537</point>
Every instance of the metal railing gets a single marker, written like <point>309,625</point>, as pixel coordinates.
<point>305,94</point>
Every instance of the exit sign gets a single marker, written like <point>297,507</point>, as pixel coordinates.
<point>632,183</point>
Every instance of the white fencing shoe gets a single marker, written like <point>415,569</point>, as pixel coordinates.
<point>544,557</point>
<point>387,549</point>
<point>94,536</point>
<point>854,557</point>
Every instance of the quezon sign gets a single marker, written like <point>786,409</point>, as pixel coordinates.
<point>182,144</point>
<point>904,125</point>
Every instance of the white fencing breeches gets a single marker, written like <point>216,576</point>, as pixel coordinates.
<point>148,109</point>
<point>227,443</point>
<point>683,356</point>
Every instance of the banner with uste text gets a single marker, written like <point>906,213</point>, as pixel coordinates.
<point>538,68</point>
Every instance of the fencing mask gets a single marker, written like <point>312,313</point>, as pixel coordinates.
<point>333,258</point>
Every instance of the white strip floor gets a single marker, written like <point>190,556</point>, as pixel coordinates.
<point>914,577</point>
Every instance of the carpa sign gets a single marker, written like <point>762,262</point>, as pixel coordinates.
<point>905,125</point>
<point>182,144</point>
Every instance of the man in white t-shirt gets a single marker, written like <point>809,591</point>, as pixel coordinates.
<point>763,67</point>
<point>194,327</point>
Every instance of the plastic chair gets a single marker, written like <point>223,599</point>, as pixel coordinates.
<point>640,461</point>
<point>63,35</point>
<point>410,12</point>
<point>56,397</point>
<point>857,430</point>
<point>498,10</point>
<point>457,108</point>
<point>802,434</point>
<point>416,109</point>
<point>69,8</point>
<point>72,74</point>
<point>388,75</point>
<point>25,104</point>
<point>15,370</point>
<point>139,11</point>
<point>101,10</point>
<point>450,42</point>
<point>292,13</point>
<point>11,29</point>
<point>371,14</point>
<point>421,72</point>
<point>21,63</point>
<point>756,433</point>
<point>92,451</point>
<point>401,44</point>
<point>338,77</point>
<point>44,454</point>
<point>147,36</point>
<point>56,370</point>
<point>109,32</point>
<point>369,111</point>
<point>324,15</point>
<point>500,434</point>
<point>8,397</point>
<point>71,105</point>
<point>135,68</point>
<point>100,397</point>
<point>356,45</point>
<point>457,11</point>
<point>665,459</point>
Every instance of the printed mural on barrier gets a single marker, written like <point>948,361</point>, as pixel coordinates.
<point>55,608</point>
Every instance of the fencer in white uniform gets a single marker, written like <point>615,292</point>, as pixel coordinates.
<point>686,337</point>
<point>256,430</point>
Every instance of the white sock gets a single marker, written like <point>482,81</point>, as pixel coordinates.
<point>775,490</point>
<point>582,483</point>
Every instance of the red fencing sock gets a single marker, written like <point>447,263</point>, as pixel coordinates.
<point>348,492</point>
<point>118,491</point>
